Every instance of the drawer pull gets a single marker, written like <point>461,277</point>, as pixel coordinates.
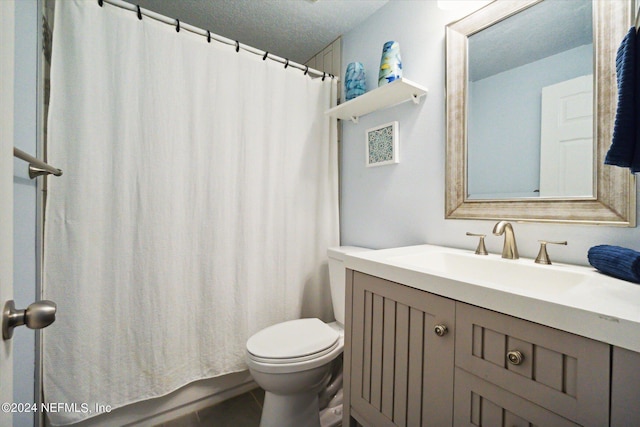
<point>440,330</point>
<point>515,357</point>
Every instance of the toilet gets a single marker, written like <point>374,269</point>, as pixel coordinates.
<point>291,360</point>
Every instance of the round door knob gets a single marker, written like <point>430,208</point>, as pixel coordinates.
<point>515,357</point>
<point>440,330</point>
<point>38,315</point>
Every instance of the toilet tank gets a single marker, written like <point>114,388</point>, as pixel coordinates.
<point>337,277</point>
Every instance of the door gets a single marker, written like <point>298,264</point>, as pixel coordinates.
<point>401,351</point>
<point>6,195</point>
<point>566,145</point>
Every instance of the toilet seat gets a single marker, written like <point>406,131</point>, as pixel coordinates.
<point>293,346</point>
<point>293,340</point>
<point>283,360</point>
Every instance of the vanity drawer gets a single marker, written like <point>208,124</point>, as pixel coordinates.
<point>480,403</point>
<point>563,372</point>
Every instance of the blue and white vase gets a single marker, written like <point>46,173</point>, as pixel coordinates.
<point>390,63</point>
<point>354,82</point>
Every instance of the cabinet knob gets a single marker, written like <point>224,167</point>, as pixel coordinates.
<point>440,330</point>
<point>515,357</point>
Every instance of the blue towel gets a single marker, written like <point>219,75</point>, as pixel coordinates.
<point>625,130</point>
<point>635,165</point>
<point>615,261</point>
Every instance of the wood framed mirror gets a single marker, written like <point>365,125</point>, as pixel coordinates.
<point>610,198</point>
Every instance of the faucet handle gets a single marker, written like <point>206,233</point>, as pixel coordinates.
<point>481,249</point>
<point>543,256</point>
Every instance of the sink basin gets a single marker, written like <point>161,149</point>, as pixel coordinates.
<point>493,271</point>
<point>572,298</point>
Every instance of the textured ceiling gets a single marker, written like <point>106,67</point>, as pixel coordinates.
<point>294,29</point>
<point>545,29</point>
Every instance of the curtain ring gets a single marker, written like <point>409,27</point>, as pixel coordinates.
<point>306,70</point>
<point>208,36</point>
<point>100,3</point>
<point>286,64</point>
<point>237,46</point>
<point>139,12</point>
<point>324,75</point>
<point>177,25</point>
<point>265,56</point>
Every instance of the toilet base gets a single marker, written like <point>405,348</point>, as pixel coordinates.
<point>291,410</point>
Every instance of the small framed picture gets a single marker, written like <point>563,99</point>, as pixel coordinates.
<point>382,145</point>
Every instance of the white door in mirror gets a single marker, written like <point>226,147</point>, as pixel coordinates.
<point>566,146</point>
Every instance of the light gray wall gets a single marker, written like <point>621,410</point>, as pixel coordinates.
<point>24,193</point>
<point>403,204</point>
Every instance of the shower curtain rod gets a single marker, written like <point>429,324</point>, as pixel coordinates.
<point>36,166</point>
<point>211,36</point>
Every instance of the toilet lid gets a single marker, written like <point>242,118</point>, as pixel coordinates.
<point>292,339</point>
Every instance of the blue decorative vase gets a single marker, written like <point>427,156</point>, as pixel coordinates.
<point>390,63</point>
<point>354,82</point>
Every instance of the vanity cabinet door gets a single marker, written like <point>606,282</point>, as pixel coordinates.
<point>562,372</point>
<point>480,403</point>
<point>625,388</point>
<point>400,369</point>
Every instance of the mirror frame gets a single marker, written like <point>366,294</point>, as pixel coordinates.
<point>614,202</point>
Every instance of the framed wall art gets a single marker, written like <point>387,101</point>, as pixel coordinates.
<point>382,145</point>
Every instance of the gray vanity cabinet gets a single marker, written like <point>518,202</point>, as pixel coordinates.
<point>398,369</point>
<point>413,358</point>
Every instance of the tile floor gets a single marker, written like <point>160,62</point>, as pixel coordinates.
<point>241,411</point>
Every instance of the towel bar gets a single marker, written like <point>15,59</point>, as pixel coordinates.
<point>36,167</point>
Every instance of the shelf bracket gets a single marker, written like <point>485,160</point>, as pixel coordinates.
<point>354,119</point>
<point>415,98</point>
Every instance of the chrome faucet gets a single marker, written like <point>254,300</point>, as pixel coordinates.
<point>509,250</point>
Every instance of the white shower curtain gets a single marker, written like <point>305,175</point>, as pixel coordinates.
<point>198,198</point>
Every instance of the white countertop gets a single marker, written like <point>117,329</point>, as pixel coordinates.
<point>599,307</point>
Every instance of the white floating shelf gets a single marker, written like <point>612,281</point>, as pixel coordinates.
<point>391,94</point>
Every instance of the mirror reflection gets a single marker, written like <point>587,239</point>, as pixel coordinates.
<point>530,104</point>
